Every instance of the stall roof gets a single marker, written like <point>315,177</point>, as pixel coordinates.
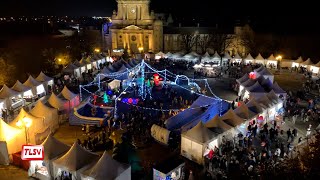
<point>6,92</point>
<point>199,133</point>
<point>31,82</point>
<point>42,77</point>
<point>19,87</point>
<point>53,147</point>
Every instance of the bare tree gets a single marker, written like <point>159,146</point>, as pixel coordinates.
<point>247,41</point>
<point>204,42</point>
<point>188,41</point>
<point>221,41</point>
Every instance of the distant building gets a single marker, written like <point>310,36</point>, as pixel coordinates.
<point>138,30</point>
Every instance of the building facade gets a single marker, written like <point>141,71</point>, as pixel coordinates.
<point>137,29</point>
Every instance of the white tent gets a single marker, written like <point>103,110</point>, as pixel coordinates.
<point>107,169</point>
<point>315,68</point>
<point>231,118</point>
<point>72,69</point>
<point>37,131</point>
<point>225,58</point>
<point>249,59</point>
<point>278,90</point>
<point>50,115</point>
<point>216,59</point>
<point>159,55</point>
<point>75,161</point>
<point>272,62</point>
<point>23,89</point>
<point>216,122</point>
<point>259,59</point>
<point>53,149</point>
<point>46,80</point>
<point>262,71</point>
<point>11,141</point>
<point>70,96</point>
<point>160,134</point>
<point>195,141</point>
<point>244,112</point>
<point>297,62</point>
<point>168,55</point>
<point>237,58</point>
<point>58,103</point>
<point>114,84</point>
<point>2,105</point>
<point>37,87</point>
<point>205,58</point>
<point>11,97</point>
<point>307,64</point>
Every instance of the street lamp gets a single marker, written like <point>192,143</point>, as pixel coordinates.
<point>59,59</point>
<point>26,123</point>
<point>97,50</point>
<point>279,58</point>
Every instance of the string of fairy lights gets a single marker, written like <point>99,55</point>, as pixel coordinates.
<point>139,69</point>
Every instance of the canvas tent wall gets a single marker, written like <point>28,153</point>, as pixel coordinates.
<point>259,59</point>
<point>25,91</point>
<point>236,58</point>
<point>10,97</point>
<point>72,70</point>
<point>297,62</point>
<point>58,103</point>
<point>46,80</point>
<point>35,131</point>
<point>272,62</point>
<point>11,141</point>
<point>50,115</point>
<point>37,87</point>
<point>115,84</point>
<point>315,68</point>
<point>53,149</point>
<point>160,134</point>
<point>107,169</point>
<point>249,59</point>
<point>194,142</point>
<point>75,161</point>
<point>216,59</point>
<point>225,59</point>
<point>70,96</point>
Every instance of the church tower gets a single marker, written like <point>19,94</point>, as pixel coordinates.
<point>134,27</point>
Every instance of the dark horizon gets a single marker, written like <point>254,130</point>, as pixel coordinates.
<point>265,16</point>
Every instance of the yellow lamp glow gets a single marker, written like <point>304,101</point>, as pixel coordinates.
<point>59,60</point>
<point>279,58</point>
<point>96,50</point>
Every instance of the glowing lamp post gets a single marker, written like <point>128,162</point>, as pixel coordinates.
<point>279,58</point>
<point>96,50</point>
<point>26,123</point>
<point>140,49</point>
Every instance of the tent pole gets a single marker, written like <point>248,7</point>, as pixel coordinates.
<point>80,87</point>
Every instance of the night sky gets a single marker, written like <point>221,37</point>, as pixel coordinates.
<point>265,16</point>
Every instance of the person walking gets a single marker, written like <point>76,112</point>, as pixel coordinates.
<point>288,134</point>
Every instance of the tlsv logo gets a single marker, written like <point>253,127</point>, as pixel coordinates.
<point>32,152</point>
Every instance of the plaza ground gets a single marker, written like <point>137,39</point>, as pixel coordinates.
<point>157,152</point>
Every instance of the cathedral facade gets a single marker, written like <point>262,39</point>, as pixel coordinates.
<point>137,29</point>
<point>134,27</point>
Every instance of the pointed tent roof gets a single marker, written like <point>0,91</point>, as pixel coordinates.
<point>31,82</point>
<point>56,102</point>
<point>318,64</point>
<point>123,68</point>
<point>76,158</point>
<point>259,57</point>
<point>206,55</point>
<point>226,55</point>
<point>231,118</point>
<point>70,68</point>
<point>249,57</point>
<point>236,56</point>
<point>111,68</point>
<point>106,168</point>
<point>255,88</point>
<point>243,112</point>
<point>243,79</point>
<point>259,69</point>
<point>254,106</point>
<point>307,62</point>
<point>19,87</point>
<point>77,63</point>
<point>265,71</point>
<point>216,56</point>
<point>273,97</point>
<point>105,70</point>
<point>37,122</point>
<point>299,60</point>
<point>272,58</point>
<point>42,77</point>
<point>199,133</point>
<point>41,110</point>
<point>6,92</point>
<point>277,89</point>
<point>248,83</point>
<point>264,101</point>
<point>53,147</point>
<point>216,122</point>
<point>67,94</point>
<point>8,132</point>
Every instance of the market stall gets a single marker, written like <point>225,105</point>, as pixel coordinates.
<point>249,59</point>
<point>70,96</point>
<point>259,60</point>
<point>12,99</point>
<point>25,91</point>
<point>37,87</point>
<point>46,81</point>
